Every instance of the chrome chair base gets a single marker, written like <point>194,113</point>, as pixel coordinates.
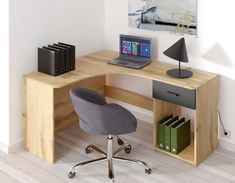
<point>109,157</point>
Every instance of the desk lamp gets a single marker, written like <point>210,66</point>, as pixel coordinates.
<point>178,51</point>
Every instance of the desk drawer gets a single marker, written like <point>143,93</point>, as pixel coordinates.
<point>174,94</point>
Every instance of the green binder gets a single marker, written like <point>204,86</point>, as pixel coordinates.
<point>167,130</point>
<point>161,131</point>
<point>180,137</point>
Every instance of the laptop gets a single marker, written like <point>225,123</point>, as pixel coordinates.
<point>135,52</point>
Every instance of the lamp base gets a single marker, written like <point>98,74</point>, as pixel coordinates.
<point>182,73</point>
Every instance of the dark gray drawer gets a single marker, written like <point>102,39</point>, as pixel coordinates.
<point>174,94</point>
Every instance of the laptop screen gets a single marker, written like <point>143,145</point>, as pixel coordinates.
<point>135,46</point>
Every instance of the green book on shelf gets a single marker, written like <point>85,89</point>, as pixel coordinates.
<point>167,131</point>
<point>180,137</point>
<point>161,131</point>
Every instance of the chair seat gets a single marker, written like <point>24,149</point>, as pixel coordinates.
<point>115,123</point>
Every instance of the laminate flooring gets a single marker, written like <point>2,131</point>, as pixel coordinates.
<point>24,167</point>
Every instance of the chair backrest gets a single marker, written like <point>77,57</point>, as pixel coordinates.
<point>87,103</point>
<point>98,117</point>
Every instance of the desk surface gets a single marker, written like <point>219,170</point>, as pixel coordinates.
<point>95,64</point>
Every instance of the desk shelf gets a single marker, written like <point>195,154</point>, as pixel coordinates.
<point>186,155</point>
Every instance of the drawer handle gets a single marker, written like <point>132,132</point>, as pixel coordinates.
<point>173,93</point>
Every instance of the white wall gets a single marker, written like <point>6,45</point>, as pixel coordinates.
<point>4,75</point>
<point>212,50</point>
<point>35,23</point>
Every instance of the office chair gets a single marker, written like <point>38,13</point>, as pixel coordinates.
<point>98,117</point>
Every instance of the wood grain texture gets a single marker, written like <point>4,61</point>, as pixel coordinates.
<point>187,155</point>
<point>39,119</point>
<point>48,108</point>
<point>129,97</point>
<point>96,64</point>
<point>206,120</point>
<point>64,113</point>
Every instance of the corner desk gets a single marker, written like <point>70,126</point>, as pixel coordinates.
<point>48,108</point>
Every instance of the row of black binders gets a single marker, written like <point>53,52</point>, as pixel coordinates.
<point>56,59</point>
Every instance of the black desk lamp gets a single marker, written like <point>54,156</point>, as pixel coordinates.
<point>178,51</point>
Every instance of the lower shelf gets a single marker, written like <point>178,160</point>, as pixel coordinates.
<point>186,155</point>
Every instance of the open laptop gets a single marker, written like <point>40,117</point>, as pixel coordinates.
<point>135,52</point>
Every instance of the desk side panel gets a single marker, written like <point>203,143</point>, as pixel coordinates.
<point>64,112</point>
<point>38,119</point>
<point>206,123</point>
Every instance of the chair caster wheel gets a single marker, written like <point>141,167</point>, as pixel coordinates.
<point>88,150</point>
<point>71,175</point>
<point>148,171</point>
<point>120,141</point>
<point>128,149</point>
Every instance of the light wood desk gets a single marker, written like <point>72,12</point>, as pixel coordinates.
<point>48,108</point>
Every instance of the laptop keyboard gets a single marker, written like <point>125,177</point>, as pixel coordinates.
<point>124,63</point>
<point>131,64</point>
<point>128,63</point>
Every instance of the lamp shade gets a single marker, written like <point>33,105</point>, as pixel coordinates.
<point>178,51</point>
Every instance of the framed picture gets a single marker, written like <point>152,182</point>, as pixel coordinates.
<point>179,16</point>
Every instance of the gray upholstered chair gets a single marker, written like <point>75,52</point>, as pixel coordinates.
<point>98,117</point>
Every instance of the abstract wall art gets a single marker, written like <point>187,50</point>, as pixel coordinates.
<point>179,16</point>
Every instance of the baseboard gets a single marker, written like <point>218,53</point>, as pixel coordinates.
<point>4,148</point>
<point>139,113</point>
<point>227,145</point>
<point>16,147</point>
<point>11,149</point>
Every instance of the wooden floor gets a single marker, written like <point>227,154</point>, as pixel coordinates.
<point>70,143</point>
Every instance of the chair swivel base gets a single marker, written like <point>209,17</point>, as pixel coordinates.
<point>110,156</point>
